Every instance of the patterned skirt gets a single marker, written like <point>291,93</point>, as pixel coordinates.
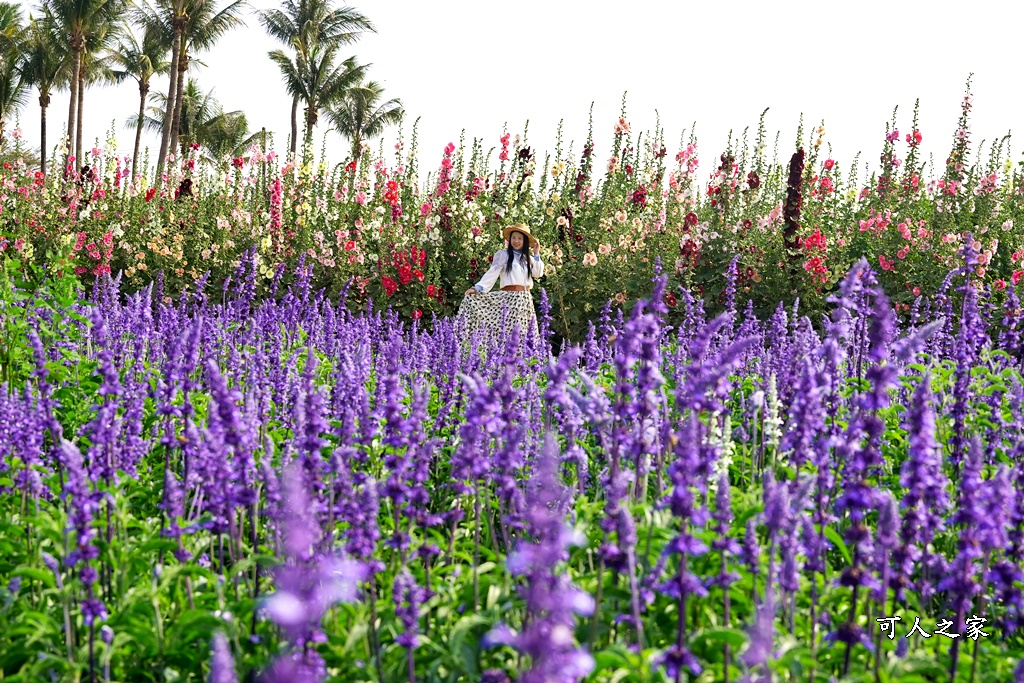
<point>491,316</point>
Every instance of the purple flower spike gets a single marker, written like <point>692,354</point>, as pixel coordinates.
<point>551,599</point>
<point>222,664</point>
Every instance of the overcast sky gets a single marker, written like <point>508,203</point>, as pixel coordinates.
<point>467,65</point>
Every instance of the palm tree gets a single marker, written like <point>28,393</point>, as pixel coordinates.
<point>76,21</point>
<point>305,26</point>
<point>361,114</point>
<point>206,25</point>
<point>94,68</point>
<point>318,81</point>
<point>167,19</point>
<point>45,65</point>
<point>13,89</point>
<point>140,61</point>
<point>203,121</point>
<point>188,25</point>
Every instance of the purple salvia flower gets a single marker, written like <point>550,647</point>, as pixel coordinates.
<point>551,600</point>
<point>407,596</point>
<point>886,540</point>
<point>307,584</point>
<point>924,501</point>
<point>222,664</point>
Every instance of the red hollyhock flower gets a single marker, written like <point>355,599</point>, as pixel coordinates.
<point>405,275</point>
<point>150,193</point>
<point>419,274</point>
<point>431,289</point>
<point>390,286</point>
<point>670,299</point>
<point>640,196</point>
<point>417,314</point>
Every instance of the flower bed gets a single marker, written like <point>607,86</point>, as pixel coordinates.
<point>797,222</point>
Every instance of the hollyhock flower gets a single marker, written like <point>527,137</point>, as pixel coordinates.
<point>590,259</point>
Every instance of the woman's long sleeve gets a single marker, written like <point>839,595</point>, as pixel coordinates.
<point>493,273</point>
<point>537,267</point>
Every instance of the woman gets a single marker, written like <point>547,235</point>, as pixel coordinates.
<point>482,309</point>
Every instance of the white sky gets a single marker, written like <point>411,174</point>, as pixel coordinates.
<point>476,65</point>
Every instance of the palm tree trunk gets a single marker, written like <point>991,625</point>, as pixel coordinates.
<point>143,91</point>
<point>172,91</point>
<point>307,132</point>
<point>44,102</point>
<point>176,125</point>
<point>295,122</point>
<point>81,107</point>
<point>73,105</point>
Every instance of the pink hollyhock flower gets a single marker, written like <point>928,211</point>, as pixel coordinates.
<point>829,164</point>
<point>361,198</point>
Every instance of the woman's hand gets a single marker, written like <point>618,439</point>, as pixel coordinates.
<point>471,290</point>
<point>536,248</point>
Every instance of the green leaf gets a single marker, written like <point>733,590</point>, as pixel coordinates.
<point>43,575</point>
<point>732,637</point>
<point>832,535</point>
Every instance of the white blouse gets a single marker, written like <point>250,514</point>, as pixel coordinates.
<point>518,276</point>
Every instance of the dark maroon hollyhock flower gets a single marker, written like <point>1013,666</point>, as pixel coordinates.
<point>791,210</point>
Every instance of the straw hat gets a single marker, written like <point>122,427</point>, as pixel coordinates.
<point>520,227</point>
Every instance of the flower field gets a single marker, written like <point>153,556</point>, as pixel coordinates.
<point>413,228</point>
<point>772,430</point>
<point>281,489</point>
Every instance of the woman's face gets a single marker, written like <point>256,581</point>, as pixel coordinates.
<point>516,238</point>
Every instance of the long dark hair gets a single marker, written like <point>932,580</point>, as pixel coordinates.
<point>525,252</point>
